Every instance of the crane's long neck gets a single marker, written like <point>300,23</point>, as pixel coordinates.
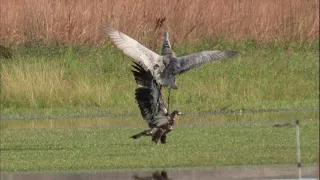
<point>166,46</point>
<point>169,94</point>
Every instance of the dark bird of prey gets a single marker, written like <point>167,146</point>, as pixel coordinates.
<point>152,106</point>
<point>165,67</point>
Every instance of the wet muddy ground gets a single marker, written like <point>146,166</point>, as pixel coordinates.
<point>191,173</point>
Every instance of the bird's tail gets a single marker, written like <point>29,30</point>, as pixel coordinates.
<point>143,133</point>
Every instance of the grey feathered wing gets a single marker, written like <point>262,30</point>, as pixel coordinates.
<point>192,61</point>
<point>133,48</point>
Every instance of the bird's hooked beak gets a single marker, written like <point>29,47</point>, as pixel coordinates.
<point>180,113</point>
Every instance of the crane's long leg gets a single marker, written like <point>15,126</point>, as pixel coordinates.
<point>169,101</point>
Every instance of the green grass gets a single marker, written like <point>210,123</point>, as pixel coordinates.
<point>61,79</point>
<point>188,145</point>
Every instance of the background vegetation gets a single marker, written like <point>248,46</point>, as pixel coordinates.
<point>61,61</point>
<point>187,20</point>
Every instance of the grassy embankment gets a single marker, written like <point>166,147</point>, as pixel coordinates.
<point>276,68</point>
<point>79,79</point>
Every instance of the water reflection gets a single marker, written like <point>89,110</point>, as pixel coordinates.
<point>155,176</point>
<point>309,172</point>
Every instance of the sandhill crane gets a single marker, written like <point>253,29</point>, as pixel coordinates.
<point>152,107</point>
<point>165,67</point>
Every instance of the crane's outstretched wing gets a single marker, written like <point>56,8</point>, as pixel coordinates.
<point>149,95</point>
<point>192,61</point>
<point>133,48</point>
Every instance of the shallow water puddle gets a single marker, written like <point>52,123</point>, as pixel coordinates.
<point>187,119</point>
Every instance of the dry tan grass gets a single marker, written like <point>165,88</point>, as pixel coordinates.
<point>186,20</point>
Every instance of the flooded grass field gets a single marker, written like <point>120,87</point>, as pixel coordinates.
<point>137,121</point>
<point>204,146</point>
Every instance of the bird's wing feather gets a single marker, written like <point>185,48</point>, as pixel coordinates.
<point>133,48</point>
<point>146,103</point>
<point>192,61</point>
<point>148,96</point>
<point>142,77</point>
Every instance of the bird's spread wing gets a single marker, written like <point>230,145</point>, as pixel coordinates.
<point>133,48</point>
<point>189,62</point>
<point>146,102</point>
<point>142,77</point>
<point>149,95</point>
